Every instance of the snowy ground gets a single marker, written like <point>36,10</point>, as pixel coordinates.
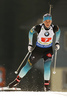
<point>18,95</point>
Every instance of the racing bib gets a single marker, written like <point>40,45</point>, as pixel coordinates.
<point>45,37</point>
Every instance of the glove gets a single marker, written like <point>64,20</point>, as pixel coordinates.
<point>57,46</point>
<point>30,48</point>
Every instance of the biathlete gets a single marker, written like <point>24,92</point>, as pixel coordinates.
<point>43,49</point>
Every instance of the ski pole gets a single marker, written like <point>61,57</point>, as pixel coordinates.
<point>54,72</point>
<point>22,63</point>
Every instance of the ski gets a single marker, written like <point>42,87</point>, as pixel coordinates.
<point>9,89</point>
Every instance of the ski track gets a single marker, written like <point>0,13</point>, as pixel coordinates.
<point>26,95</point>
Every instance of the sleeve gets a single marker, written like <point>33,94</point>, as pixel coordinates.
<point>35,29</point>
<point>55,28</point>
<point>31,32</point>
<point>57,31</point>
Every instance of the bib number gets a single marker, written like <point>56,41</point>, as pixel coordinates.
<point>45,39</point>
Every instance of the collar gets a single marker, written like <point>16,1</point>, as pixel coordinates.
<point>46,27</point>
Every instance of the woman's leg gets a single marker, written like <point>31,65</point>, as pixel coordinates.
<point>47,73</point>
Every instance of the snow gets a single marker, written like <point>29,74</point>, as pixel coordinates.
<point>22,95</point>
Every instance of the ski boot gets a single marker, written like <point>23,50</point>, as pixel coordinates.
<point>47,86</point>
<point>15,82</point>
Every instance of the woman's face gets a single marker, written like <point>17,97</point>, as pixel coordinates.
<point>47,23</point>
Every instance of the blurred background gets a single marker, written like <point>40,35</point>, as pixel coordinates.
<point>17,17</point>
